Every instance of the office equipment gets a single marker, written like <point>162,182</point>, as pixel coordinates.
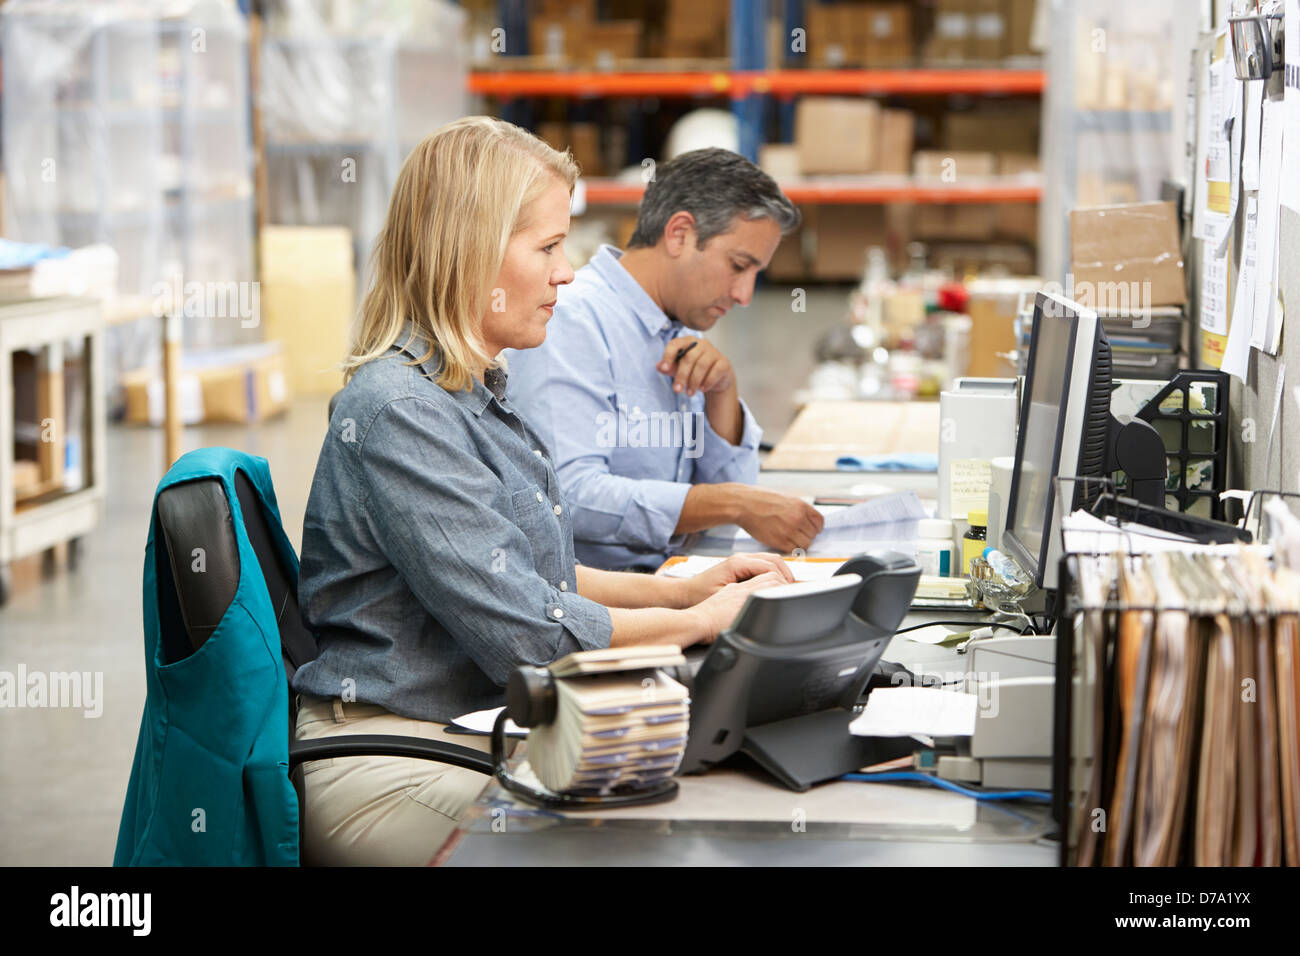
<point>977,418</point>
<point>608,728</point>
<point>1066,428</point>
<point>779,684</point>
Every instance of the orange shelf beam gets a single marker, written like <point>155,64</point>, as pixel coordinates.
<point>881,82</point>
<point>776,82</point>
<point>607,192</point>
<point>507,84</point>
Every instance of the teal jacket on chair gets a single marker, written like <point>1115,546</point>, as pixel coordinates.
<point>210,783</point>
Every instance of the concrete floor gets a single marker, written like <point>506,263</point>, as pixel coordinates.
<point>63,775</point>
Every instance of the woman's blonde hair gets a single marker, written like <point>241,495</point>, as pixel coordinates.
<point>461,194</point>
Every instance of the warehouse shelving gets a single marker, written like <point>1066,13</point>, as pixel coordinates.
<point>850,191</point>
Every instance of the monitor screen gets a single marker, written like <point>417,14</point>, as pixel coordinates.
<point>1059,417</point>
<point>1047,383</point>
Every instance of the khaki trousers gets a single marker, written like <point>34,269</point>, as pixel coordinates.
<point>379,811</point>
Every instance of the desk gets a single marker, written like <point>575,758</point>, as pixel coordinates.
<point>739,817</point>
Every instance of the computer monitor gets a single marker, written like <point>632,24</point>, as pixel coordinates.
<point>1067,430</point>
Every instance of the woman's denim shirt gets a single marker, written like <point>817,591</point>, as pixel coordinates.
<point>437,551</point>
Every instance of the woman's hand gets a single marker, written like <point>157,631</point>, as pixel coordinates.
<point>717,612</point>
<point>738,567</point>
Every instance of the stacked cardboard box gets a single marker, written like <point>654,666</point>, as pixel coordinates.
<point>859,34</point>
<point>1007,128</point>
<point>582,139</point>
<point>837,134</point>
<point>695,28</point>
<point>1135,244</point>
<point>238,385</point>
<point>953,166</point>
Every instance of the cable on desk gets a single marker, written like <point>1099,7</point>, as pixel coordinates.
<point>972,625</point>
<point>1041,796</point>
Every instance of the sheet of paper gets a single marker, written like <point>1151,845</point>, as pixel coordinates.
<point>1236,355</point>
<point>904,711</point>
<point>1266,244</point>
<point>1290,196</point>
<point>1250,134</point>
<point>889,521</point>
<point>802,570</point>
<point>1214,291</point>
<point>482,721</point>
<point>937,634</point>
<point>969,480</point>
<point>1222,131</point>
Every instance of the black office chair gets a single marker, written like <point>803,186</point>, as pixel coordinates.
<point>196,514</point>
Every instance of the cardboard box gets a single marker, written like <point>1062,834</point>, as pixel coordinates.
<point>238,385</point>
<point>953,166</point>
<point>887,34</point>
<point>897,135</point>
<point>953,26</point>
<point>1020,24</point>
<point>954,221</point>
<point>584,140</point>
<point>1011,129</point>
<point>779,160</point>
<point>606,42</point>
<point>788,263</point>
<point>992,309</point>
<point>308,299</point>
<point>831,38</point>
<point>837,134</point>
<point>558,38</point>
<point>1019,164</point>
<point>1018,220</point>
<point>841,236</point>
<point>988,28</point>
<point>555,135</point>
<point>1132,243</point>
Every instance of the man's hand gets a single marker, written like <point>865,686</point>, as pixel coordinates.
<point>779,521</point>
<point>738,567</point>
<point>716,613</point>
<point>702,369</point>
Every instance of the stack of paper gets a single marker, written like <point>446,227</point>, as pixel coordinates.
<point>612,730</point>
<point>885,522</point>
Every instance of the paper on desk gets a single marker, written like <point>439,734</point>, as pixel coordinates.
<point>1083,531</point>
<point>802,570</point>
<point>907,711</point>
<point>939,634</point>
<point>482,721</point>
<point>888,520</point>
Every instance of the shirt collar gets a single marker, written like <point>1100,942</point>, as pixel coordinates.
<point>415,344</point>
<point>607,265</point>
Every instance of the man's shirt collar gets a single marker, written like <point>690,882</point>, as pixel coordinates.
<point>607,265</point>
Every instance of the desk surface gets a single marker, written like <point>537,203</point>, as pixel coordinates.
<point>739,816</point>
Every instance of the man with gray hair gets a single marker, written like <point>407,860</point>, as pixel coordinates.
<point>642,413</point>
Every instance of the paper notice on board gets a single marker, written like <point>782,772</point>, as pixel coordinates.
<point>1266,241</point>
<point>969,480</point>
<point>1236,354</point>
<point>1214,291</point>
<point>1290,195</point>
<point>1250,135</point>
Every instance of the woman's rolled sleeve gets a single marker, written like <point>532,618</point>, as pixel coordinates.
<point>443,519</point>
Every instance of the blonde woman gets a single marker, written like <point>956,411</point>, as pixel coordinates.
<point>437,550</point>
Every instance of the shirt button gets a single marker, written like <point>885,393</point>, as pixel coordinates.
<point>539,496</point>
<point>558,612</point>
<point>636,409</point>
<point>537,452</point>
<point>557,509</point>
<point>564,585</point>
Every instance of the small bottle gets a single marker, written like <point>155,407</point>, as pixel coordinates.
<point>1005,568</point>
<point>974,540</point>
<point>935,551</point>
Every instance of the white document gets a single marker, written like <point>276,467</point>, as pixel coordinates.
<point>802,570</point>
<point>1236,354</point>
<point>1266,241</point>
<point>1214,290</point>
<point>482,721</point>
<point>1250,134</point>
<point>886,521</point>
<point>905,711</point>
<point>1290,196</point>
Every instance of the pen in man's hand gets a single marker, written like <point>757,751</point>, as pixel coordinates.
<point>684,350</point>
